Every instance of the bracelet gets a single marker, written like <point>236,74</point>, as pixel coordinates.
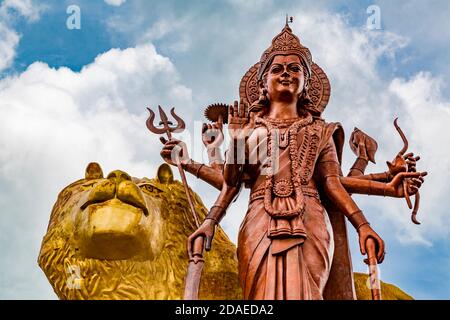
<point>198,170</point>
<point>357,219</point>
<point>365,159</point>
<point>362,224</point>
<point>213,219</point>
<point>389,176</point>
<point>213,213</point>
<point>353,213</point>
<point>356,168</point>
<point>360,164</point>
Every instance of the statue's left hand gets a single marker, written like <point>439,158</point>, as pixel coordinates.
<point>411,161</point>
<point>414,181</point>
<point>365,232</point>
<point>363,145</point>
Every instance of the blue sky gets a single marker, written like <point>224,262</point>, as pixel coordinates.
<point>89,88</point>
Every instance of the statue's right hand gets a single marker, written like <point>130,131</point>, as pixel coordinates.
<point>173,151</point>
<point>238,119</point>
<point>206,230</point>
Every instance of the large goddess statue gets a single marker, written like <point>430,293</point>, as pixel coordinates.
<point>292,243</point>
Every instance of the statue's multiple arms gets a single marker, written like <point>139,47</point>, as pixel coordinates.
<point>365,148</point>
<point>394,188</point>
<point>232,174</point>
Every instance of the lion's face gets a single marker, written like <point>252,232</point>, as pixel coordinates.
<point>112,218</point>
<point>126,238</point>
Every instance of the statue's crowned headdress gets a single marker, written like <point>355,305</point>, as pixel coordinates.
<point>285,43</point>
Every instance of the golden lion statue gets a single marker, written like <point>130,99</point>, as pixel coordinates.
<point>125,238</point>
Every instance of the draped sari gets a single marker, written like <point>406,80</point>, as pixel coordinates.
<point>289,258</point>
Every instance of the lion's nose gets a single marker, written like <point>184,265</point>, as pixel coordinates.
<point>119,176</point>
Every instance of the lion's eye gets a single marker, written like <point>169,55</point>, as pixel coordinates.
<point>149,188</point>
<point>88,185</point>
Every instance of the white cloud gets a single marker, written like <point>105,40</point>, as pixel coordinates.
<point>53,123</point>
<point>9,38</point>
<point>115,3</point>
<point>25,8</point>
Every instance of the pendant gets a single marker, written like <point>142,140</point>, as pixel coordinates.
<point>284,139</point>
<point>283,188</point>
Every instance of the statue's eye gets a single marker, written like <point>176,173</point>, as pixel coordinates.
<point>295,68</point>
<point>277,69</point>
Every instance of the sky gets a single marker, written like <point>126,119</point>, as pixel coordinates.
<point>72,96</point>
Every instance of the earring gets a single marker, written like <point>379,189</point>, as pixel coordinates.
<point>305,97</point>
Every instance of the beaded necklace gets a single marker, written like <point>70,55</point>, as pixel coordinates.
<point>284,188</point>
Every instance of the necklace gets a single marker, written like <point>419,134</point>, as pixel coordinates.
<point>284,187</point>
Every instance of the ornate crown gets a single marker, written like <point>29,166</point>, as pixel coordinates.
<point>285,43</point>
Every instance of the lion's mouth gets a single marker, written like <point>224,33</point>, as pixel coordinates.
<point>126,192</point>
<point>112,230</point>
<point>111,223</point>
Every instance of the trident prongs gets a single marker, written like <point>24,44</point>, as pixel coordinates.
<point>167,126</point>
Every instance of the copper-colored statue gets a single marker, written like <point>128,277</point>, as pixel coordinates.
<point>293,241</point>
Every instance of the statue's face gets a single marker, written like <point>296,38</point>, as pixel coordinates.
<point>285,79</point>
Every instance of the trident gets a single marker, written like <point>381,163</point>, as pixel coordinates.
<point>168,128</point>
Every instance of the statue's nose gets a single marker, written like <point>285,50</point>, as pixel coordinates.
<point>119,176</point>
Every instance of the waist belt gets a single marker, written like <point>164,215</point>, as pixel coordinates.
<point>307,191</point>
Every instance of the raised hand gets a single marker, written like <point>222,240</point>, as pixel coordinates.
<point>212,134</point>
<point>238,119</point>
<point>363,145</point>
